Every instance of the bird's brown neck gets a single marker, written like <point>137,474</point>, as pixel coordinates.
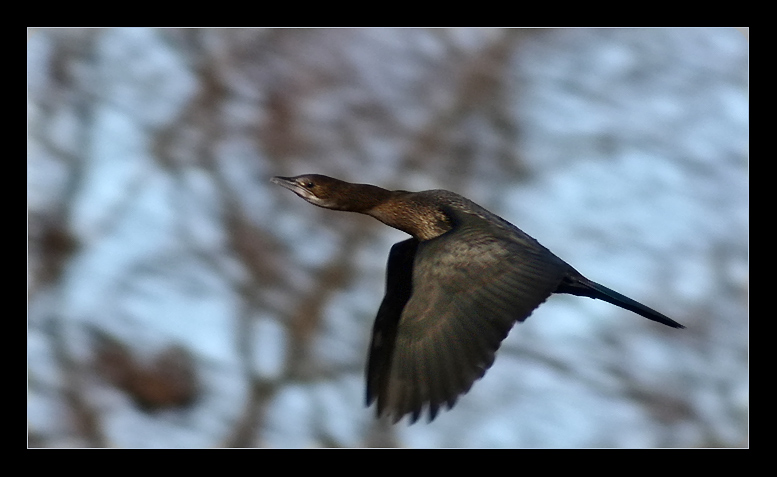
<point>412,213</point>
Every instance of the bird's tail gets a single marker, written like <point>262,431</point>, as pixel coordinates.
<point>581,286</point>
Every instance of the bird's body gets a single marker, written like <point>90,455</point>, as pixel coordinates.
<point>453,291</point>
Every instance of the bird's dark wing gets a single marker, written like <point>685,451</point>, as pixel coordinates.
<point>449,303</point>
<point>399,275</point>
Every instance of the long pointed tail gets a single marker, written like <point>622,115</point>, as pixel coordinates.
<point>581,286</point>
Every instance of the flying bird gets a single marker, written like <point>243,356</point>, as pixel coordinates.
<point>453,291</point>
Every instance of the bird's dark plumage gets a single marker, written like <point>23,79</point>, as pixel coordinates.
<point>453,291</point>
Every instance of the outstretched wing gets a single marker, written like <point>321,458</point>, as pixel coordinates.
<point>449,303</point>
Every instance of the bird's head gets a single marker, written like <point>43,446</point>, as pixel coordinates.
<point>323,191</point>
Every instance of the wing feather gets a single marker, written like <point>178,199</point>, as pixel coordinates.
<point>460,295</point>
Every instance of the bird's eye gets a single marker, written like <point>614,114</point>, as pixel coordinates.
<point>307,184</point>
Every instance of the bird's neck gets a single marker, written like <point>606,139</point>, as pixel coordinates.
<point>411,213</point>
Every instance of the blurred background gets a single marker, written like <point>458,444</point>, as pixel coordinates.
<point>176,298</point>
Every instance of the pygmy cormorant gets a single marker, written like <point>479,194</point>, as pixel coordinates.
<point>453,290</point>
